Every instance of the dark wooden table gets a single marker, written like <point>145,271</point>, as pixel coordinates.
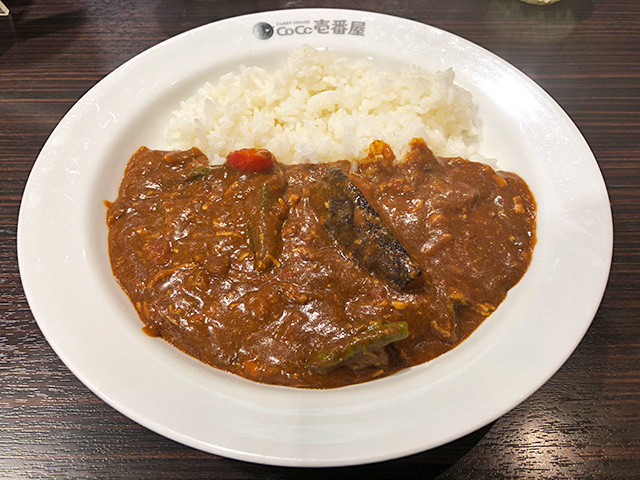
<point>583,423</point>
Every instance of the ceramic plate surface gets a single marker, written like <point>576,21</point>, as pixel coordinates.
<point>90,323</point>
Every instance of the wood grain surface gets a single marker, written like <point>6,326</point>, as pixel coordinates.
<point>583,423</point>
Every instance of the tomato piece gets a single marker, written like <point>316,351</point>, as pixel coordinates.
<point>251,160</point>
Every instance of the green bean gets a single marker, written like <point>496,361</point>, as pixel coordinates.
<point>355,349</point>
<point>202,171</point>
<point>265,224</point>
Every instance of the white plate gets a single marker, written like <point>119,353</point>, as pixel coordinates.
<point>90,323</point>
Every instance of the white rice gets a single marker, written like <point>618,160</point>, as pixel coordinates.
<point>321,107</point>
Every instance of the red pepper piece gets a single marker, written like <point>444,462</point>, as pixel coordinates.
<point>251,160</point>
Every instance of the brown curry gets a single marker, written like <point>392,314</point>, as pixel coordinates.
<point>318,275</point>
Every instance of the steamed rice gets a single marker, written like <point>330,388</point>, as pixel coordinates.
<point>321,107</point>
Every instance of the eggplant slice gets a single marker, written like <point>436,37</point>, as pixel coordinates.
<point>355,225</point>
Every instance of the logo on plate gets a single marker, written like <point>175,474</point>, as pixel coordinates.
<point>263,30</point>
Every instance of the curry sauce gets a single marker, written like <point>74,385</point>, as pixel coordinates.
<point>282,278</point>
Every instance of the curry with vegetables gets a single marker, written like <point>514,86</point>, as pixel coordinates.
<point>317,275</point>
